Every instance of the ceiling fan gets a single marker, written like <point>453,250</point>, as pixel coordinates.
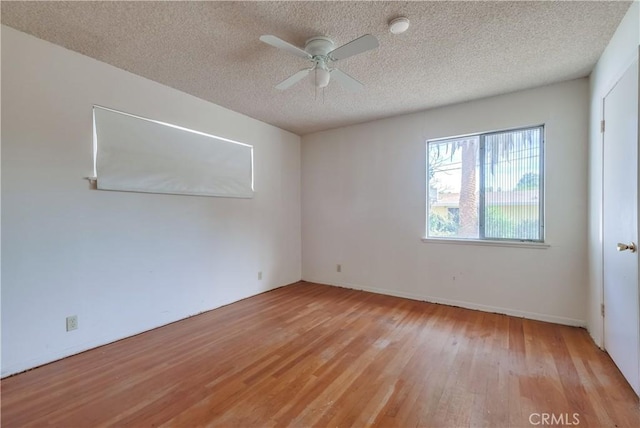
<point>320,51</point>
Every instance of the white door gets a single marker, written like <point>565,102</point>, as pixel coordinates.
<point>620,215</point>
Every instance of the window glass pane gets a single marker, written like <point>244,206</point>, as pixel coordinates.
<point>453,188</point>
<point>512,185</point>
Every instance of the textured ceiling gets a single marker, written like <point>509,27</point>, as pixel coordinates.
<point>453,51</point>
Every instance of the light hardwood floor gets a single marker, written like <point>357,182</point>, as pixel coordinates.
<point>315,355</point>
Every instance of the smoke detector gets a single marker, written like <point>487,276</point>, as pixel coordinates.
<point>399,25</point>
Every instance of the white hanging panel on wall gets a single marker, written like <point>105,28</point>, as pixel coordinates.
<point>142,155</point>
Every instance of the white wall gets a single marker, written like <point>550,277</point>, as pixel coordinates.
<point>123,262</point>
<point>363,206</point>
<point>616,58</point>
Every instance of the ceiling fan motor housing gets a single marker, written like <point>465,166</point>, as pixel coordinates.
<point>319,46</point>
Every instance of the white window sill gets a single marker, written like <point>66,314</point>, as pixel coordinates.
<point>536,245</point>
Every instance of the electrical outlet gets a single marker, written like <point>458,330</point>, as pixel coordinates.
<point>338,268</point>
<point>72,322</point>
<point>260,275</point>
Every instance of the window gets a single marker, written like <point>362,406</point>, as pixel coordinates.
<point>487,186</point>
<point>136,154</point>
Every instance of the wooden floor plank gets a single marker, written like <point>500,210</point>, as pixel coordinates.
<point>316,355</point>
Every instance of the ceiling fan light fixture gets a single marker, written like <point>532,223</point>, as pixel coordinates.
<point>322,77</point>
<point>399,25</point>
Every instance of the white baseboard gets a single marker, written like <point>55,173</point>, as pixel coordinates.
<point>462,304</point>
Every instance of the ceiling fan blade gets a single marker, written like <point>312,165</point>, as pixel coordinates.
<point>354,47</point>
<point>277,42</point>
<point>287,83</point>
<point>346,81</point>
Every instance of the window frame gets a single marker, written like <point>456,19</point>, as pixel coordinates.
<point>482,239</point>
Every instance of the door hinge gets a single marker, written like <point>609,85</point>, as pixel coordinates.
<point>602,125</point>
<point>602,309</point>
